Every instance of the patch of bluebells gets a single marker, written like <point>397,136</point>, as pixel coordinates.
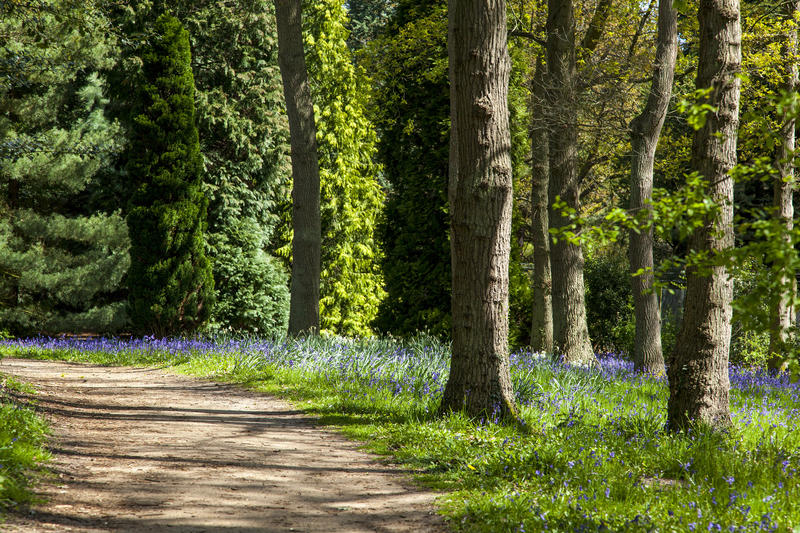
<point>422,370</point>
<point>609,403</point>
<point>385,366</point>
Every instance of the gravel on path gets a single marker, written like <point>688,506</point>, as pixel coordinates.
<point>137,449</point>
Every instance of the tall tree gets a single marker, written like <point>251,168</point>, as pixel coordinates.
<point>411,109</point>
<point>645,131</point>
<point>542,322</point>
<point>698,370</point>
<point>170,281</point>
<point>62,259</point>
<point>244,142</point>
<point>570,332</point>
<point>781,319</point>
<point>351,285</point>
<point>306,239</point>
<point>480,195</point>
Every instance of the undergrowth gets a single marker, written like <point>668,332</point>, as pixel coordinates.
<point>593,454</point>
<point>22,439</point>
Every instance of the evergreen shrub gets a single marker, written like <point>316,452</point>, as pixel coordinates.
<point>170,280</point>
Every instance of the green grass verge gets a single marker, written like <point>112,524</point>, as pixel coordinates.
<point>23,436</point>
<point>594,455</point>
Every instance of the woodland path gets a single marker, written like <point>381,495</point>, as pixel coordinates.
<point>137,449</point>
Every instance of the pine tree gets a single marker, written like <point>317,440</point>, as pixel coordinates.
<point>170,280</point>
<point>351,286</point>
<point>61,261</point>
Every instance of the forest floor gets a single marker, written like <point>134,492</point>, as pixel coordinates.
<point>138,449</point>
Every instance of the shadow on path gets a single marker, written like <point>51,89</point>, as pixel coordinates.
<point>140,450</point>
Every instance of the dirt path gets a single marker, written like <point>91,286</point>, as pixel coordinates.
<point>140,450</point>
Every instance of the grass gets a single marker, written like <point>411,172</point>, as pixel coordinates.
<point>22,445</point>
<point>593,455</point>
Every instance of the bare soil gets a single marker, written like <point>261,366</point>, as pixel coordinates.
<point>137,449</point>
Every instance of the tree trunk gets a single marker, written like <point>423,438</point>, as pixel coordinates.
<point>698,371</point>
<point>783,192</point>
<point>304,303</point>
<point>645,131</point>
<point>480,206</point>
<point>570,332</point>
<point>542,323</point>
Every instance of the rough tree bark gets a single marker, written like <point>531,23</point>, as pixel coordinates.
<point>480,206</point>
<point>698,370</point>
<point>570,331</point>
<point>783,196</point>
<point>645,131</point>
<point>542,323</point>
<point>304,300</point>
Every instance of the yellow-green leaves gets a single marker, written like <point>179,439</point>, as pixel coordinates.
<point>351,286</point>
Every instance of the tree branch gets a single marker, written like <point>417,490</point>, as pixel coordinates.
<point>527,35</point>
<point>596,27</point>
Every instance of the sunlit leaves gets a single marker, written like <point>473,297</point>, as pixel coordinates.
<point>695,108</point>
<point>351,287</point>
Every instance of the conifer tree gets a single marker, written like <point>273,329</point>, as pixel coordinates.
<point>61,261</point>
<point>367,19</point>
<point>170,280</point>
<point>244,145</point>
<point>351,285</point>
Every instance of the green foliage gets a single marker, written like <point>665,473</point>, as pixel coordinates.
<point>750,321</point>
<point>695,108</point>
<point>244,144</point>
<point>676,213</point>
<point>62,261</point>
<point>609,302</point>
<point>49,40</point>
<point>22,445</point>
<point>411,112</point>
<point>367,18</point>
<point>351,284</point>
<point>170,280</point>
<point>520,279</point>
<point>750,348</point>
